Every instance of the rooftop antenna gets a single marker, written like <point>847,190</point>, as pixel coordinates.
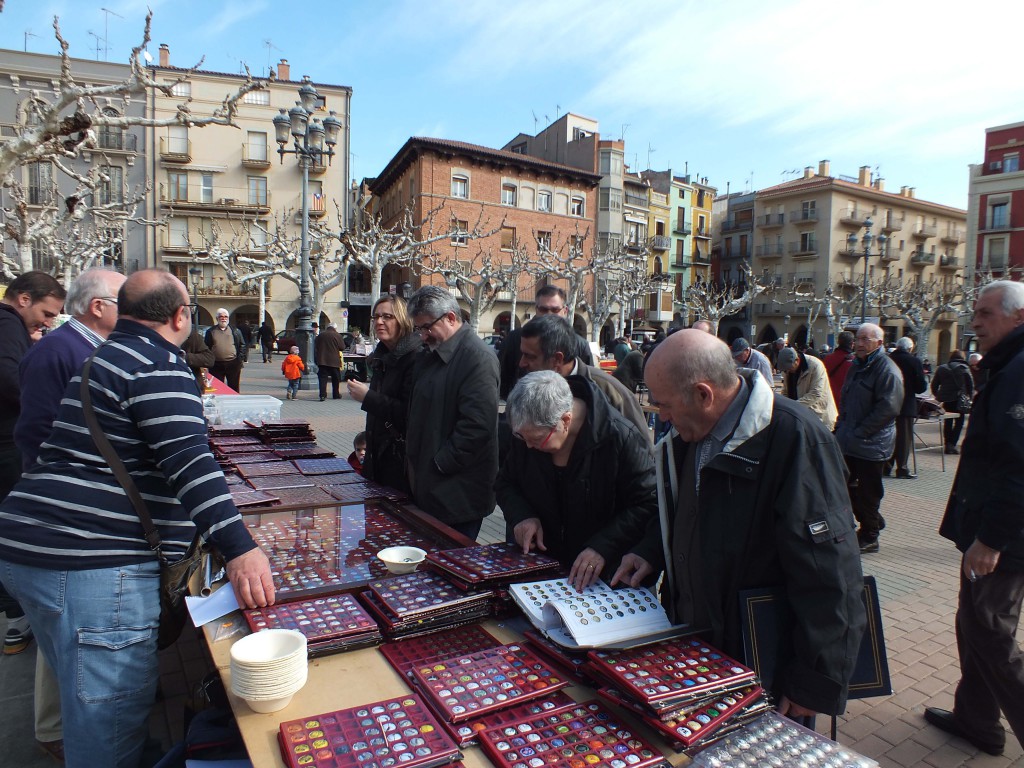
<point>270,47</point>
<point>558,111</point>
<point>98,46</point>
<point>106,30</point>
<point>534,122</point>
<point>650,151</point>
<point>622,133</point>
<point>28,34</point>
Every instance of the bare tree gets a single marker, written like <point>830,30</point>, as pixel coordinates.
<point>922,306</point>
<point>478,279</point>
<point>619,277</point>
<point>715,301</point>
<point>566,261</point>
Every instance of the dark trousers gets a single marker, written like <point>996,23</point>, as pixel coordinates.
<point>10,473</point>
<point>904,440</point>
<point>268,352</point>
<point>951,427</point>
<point>866,492</point>
<point>228,371</point>
<point>470,529</point>
<point>332,373</point>
<point>991,662</point>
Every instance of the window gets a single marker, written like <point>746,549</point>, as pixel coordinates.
<point>543,241</point>
<point>508,238</point>
<point>40,183</point>
<point>257,97</point>
<point>317,202</point>
<point>577,206</point>
<point>610,164</point>
<point>609,200</point>
<point>112,187</point>
<point>998,214</point>
<point>807,243</point>
<point>460,230</point>
<point>42,255</point>
<point>206,191</point>
<point>110,136</point>
<point>182,89</point>
<point>808,210</point>
<point>997,253</point>
<point>1011,163</point>
<point>576,245</point>
<point>702,226</point>
<point>177,140</point>
<point>701,197</point>
<point>544,201</point>
<point>460,187</point>
<point>256,143</point>
<point>508,194</point>
<point>258,236</point>
<point>177,233</point>
<point>519,149</point>
<point>257,190</point>
<point>177,186</point>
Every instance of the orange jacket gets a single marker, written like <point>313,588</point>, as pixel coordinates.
<point>292,367</point>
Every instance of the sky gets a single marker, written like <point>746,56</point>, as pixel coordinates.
<point>744,92</point>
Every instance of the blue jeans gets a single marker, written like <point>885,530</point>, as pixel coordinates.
<point>293,387</point>
<point>97,629</point>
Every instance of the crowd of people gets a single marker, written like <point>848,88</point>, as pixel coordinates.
<point>751,486</point>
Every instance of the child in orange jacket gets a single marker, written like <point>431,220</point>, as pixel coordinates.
<point>292,368</point>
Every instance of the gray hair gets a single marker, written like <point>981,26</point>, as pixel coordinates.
<point>434,301</point>
<point>91,284</point>
<point>539,399</point>
<point>905,343</point>
<point>877,334</point>
<point>1012,294</point>
<point>712,363</point>
<point>221,311</point>
<point>974,359</point>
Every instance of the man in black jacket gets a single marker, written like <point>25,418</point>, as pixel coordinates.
<point>985,519</point>
<point>914,383</point>
<point>952,380</point>
<point>753,496</point>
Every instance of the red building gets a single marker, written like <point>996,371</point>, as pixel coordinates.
<point>995,212</point>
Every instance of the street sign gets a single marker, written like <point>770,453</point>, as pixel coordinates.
<point>344,313</point>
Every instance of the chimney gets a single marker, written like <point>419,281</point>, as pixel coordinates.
<point>903,191</point>
<point>808,172</point>
<point>824,167</point>
<point>284,70</point>
<point>911,191</point>
<point>880,184</point>
<point>165,55</point>
<point>864,177</point>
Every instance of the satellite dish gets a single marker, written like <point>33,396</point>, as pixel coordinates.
<point>148,57</point>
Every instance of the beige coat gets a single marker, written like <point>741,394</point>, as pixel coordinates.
<point>814,391</point>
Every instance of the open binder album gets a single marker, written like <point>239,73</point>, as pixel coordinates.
<point>597,617</point>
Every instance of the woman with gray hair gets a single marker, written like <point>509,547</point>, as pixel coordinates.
<point>578,482</point>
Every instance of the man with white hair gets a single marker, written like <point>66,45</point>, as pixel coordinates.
<point>229,351</point>
<point>866,428</point>
<point>327,350</point>
<point>914,382</point>
<point>985,519</point>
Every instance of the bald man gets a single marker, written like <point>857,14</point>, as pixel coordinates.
<point>71,545</point>
<point>753,496</point>
<point>871,399</point>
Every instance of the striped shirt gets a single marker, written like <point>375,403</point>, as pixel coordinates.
<point>69,511</point>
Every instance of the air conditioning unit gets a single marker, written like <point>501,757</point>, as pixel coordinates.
<point>995,165</point>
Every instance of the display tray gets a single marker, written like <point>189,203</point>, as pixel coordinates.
<point>338,478</point>
<point>243,496</point>
<point>271,482</point>
<point>395,629</point>
<point>356,493</point>
<point>467,733</point>
<point>322,618</point>
<point>678,669</point>
<point>571,662</point>
<point>472,684</point>
<point>330,549</point>
<point>394,732</point>
<point>322,466</point>
<point>305,497</point>
<point>266,468</point>
<point>407,655</point>
<point>238,459</point>
<point>581,735</point>
<point>422,594</point>
<point>489,563</point>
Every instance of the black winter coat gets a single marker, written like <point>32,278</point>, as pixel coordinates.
<point>604,498</point>
<point>914,382</point>
<point>985,502</point>
<point>387,407</point>
<point>951,379</point>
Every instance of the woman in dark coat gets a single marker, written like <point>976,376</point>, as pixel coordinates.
<point>386,398</point>
<point>579,482</point>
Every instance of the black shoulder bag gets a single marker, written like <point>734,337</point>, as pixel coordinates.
<point>174,576</point>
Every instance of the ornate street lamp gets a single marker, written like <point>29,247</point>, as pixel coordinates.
<point>866,241</point>
<point>196,272</point>
<point>312,141</point>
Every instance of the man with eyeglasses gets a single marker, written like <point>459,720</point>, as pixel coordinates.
<point>451,436</point>
<point>44,375</point>
<point>550,300</point>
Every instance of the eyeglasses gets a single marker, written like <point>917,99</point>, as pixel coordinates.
<point>424,328</point>
<point>191,307</point>
<point>543,442</point>
<point>387,318</point>
<point>110,299</point>
<point>548,310</point>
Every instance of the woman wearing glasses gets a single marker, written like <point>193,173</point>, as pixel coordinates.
<point>578,483</point>
<point>386,399</point>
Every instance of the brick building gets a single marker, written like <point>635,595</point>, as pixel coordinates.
<point>528,200</point>
<point>995,210</point>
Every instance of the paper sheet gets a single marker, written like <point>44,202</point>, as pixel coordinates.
<point>203,610</point>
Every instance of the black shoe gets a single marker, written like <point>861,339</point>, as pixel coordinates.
<point>954,451</point>
<point>322,398</point>
<point>887,471</point>
<point>944,720</point>
<point>906,474</point>
<point>868,547</point>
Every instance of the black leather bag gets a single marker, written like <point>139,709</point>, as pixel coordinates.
<point>174,575</point>
<point>963,403</point>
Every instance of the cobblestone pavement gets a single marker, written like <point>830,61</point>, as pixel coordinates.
<point>916,572</point>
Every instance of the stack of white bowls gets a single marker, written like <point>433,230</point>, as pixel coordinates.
<point>268,668</point>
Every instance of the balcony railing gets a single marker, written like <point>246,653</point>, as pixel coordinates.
<point>924,230</point>
<point>801,217</point>
<point>737,253</point>
<point>952,235</point>
<point>804,250</point>
<point>732,225</point>
<point>116,141</point>
<point>801,278</point>
<point>854,216</point>
<point>216,198</point>
<point>996,225</point>
<point>682,228</point>
<point>892,224</point>
<point>770,251</point>
<point>255,156</point>
<point>921,259</point>
<point>223,288</point>
<point>704,232</point>
<point>771,220</point>
<point>40,195</point>
<point>889,255</point>
<point>175,150</point>
<point>949,262</point>
<point>661,242</point>
<point>638,201</point>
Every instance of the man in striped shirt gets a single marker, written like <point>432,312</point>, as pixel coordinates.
<point>71,545</point>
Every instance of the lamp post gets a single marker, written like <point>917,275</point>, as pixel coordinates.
<point>308,139</point>
<point>866,241</point>
<point>196,272</point>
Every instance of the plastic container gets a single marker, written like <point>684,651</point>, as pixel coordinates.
<point>234,409</point>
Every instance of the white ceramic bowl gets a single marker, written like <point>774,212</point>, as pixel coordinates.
<point>269,648</point>
<point>402,559</point>
<point>269,705</point>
